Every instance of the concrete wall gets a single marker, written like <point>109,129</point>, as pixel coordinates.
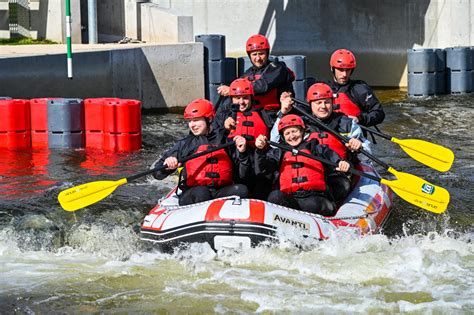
<point>133,27</point>
<point>165,25</point>
<point>48,20</point>
<point>378,31</point>
<point>111,19</point>
<point>160,76</point>
<point>449,23</point>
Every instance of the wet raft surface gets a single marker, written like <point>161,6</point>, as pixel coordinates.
<point>92,260</point>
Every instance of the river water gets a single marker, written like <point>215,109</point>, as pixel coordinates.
<point>92,260</point>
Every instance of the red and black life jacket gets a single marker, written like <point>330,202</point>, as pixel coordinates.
<point>299,172</point>
<point>346,105</point>
<point>213,169</point>
<point>331,141</point>
<point>267,101</point>
<point>250,125</point>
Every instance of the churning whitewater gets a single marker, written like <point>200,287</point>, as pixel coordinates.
<point>92,260</point>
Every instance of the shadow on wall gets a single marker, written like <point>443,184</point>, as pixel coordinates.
<point>110,19</point>
<point>42,15</point>
<point>133,78</point>
<point>378,32</point>
<point>119,73</point>
<point>111,24</point>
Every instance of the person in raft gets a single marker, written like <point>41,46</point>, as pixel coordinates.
<point>302,181</point>
<point>211,175</point>
<point>269,78</point>
<point>249,122</point>
<point>354,97</point>
<point>320,97</point>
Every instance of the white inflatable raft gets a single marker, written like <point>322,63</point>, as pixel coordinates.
<point>232,222</point>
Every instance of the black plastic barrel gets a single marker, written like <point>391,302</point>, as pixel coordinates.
<point>213,96</point>
<point>297,63</point>
<point>426,72</point>
<point>214,46</point>
<point>459,70</point>
<point>222,71</point>
<point>300,87</point>
<point>422,60</point>
<point>422,84</point>
<point>458,58</point>
<point>66,123</point>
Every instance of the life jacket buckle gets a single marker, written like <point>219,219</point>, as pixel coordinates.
<point>212,175</point>
<point>299,179</point>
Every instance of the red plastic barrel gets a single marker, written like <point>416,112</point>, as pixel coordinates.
<point>94,120</point>
<point>122,125</point>
<point>124,142</point>
<point>39,122</point>
<point>15,123</point>
<point>122,116</point>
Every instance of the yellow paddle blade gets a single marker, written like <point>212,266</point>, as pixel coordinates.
<point>81,196</point>
<point>419,192</point>
<point>434,155</point>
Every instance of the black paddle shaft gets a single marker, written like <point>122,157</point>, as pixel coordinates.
<point>159,168</point>
<point>317,158</point>
<point>339,136</point>
<point>376,132</point>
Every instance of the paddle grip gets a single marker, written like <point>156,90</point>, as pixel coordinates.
<point>344,139</point>
<point>311,156</point>
<point>159,168</point>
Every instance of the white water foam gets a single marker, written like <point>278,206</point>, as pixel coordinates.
<point>417,273</point>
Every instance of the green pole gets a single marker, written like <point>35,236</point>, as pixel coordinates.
<point>68,39</point>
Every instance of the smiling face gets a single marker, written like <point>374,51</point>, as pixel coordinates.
<point>259,57</point>
<point>244,102</point>
<point>322,108</point>
<point>293,135</point>
<point>342,75</point>
<point>198,126</point>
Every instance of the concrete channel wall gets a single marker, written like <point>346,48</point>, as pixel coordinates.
<point>159,75</point>
<point>378,31</point>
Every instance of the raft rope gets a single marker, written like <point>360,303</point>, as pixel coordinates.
<point>364,216</point>
<point>174,207</point>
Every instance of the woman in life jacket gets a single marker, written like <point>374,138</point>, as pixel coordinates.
<point>212,175</point>
<point>269,78</point>
<point>355,98</point>
<point>302,181</point>
<point>249,122</point>
<point>321,98</point>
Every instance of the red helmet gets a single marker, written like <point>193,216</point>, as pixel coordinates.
<point>290,120</point>
<point>318,91</point>
<point>199,108</point>
<point>343,58</point>
<point>257,42</point>
<point>241,87</point>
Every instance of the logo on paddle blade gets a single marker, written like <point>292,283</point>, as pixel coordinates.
<point>428,189</point>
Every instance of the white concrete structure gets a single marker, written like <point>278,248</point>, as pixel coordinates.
<point>165,25</point>
<point>160,76</point>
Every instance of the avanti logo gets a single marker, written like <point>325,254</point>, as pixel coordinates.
<point>292,222</point>
<point>428,189</point>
